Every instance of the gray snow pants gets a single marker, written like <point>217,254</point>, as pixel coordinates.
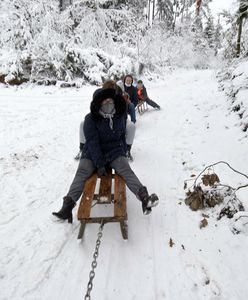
<point>130,132</point>
<point>86,168</point>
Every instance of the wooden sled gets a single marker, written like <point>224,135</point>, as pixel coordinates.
<point>104,196</point>
<point>142,107</point>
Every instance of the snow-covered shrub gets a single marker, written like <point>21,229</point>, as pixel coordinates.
<point>233,76</point>
<point>234,81</point>
<point>240,223</point>
<point>239,83</point>
<point>212,196</point>
<point>222,201</point>
<point>121,67</point>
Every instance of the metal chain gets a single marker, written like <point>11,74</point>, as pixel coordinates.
<point>94,262</point>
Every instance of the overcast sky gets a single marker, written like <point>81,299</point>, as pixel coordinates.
<point>218,5</point>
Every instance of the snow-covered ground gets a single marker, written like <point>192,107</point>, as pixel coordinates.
<point>42,260</point>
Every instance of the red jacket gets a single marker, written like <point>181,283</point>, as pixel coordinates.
<point>142,94</point>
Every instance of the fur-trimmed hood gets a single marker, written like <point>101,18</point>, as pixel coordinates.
<point>102,94</point>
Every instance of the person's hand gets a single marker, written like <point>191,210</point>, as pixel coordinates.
<point>126,97</point>
<point>102,171</point>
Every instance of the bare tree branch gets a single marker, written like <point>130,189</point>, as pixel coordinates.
<point>234,170</point>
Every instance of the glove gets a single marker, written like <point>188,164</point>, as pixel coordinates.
<point>101,171</point>
<point>78,156</point>
<point>81,146</point>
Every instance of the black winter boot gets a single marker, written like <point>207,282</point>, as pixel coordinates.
<point>147,201</point>
<point>65,212</point>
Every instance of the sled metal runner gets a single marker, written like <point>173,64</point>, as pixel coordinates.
<point>142,107</point>
<point>104,196</point>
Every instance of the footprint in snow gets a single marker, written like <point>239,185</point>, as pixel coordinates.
<point>200,277</point>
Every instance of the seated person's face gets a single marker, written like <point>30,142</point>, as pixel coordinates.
<point>107,106</point>
<point>139,86</point>
<point>128,81</point>
<point>108,101</point>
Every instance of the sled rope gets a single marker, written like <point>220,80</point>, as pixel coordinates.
<point>94,262</point>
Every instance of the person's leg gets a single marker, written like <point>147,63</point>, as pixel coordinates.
<point>84,171</point>
<point>130,132</point>
<point>152,103</point>
<point>131,112</point>
<point>122,168</point>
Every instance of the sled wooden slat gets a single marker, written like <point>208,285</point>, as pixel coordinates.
<point>104,196</point>
<point>120,197</point>
<point>86,200</point>
<point>105,188</point>
<point>142,107</point>
<point>104,219</point>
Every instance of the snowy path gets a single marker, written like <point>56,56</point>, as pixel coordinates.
<point>41,260</point>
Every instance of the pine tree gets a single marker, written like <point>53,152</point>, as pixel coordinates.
<point>218,36</point>
<point>165,11</point>
<point>209,32</point>
<point>230,35</point>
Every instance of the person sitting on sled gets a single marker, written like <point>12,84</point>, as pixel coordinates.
<point>130,126</point>
<point>105,130</point>
<point>132,97</point>
<point>142,95</point>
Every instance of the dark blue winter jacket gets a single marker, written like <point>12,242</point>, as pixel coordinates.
<point>103,144</point>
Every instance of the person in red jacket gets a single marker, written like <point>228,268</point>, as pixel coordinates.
<point>142,95</point>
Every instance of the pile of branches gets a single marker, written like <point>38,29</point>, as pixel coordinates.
<point>208,192</point>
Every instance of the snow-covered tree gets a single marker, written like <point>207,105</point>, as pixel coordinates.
<point>218,36</point>
<point>235,37</point>
<point>242,14</point>
<point>209,32</point>
<point>91,40</point>
<point>165,11</point>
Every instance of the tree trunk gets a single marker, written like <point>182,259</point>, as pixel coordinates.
<point>242,14</point>
<point>149,10</point>
<point>153,11</point>
<point>239,36</point>
<point>198,6</point>
<point>182,11</point>
<point>176,14</point>
<point>60,5</point>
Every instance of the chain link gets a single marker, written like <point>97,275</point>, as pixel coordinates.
<point>94,262</point>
